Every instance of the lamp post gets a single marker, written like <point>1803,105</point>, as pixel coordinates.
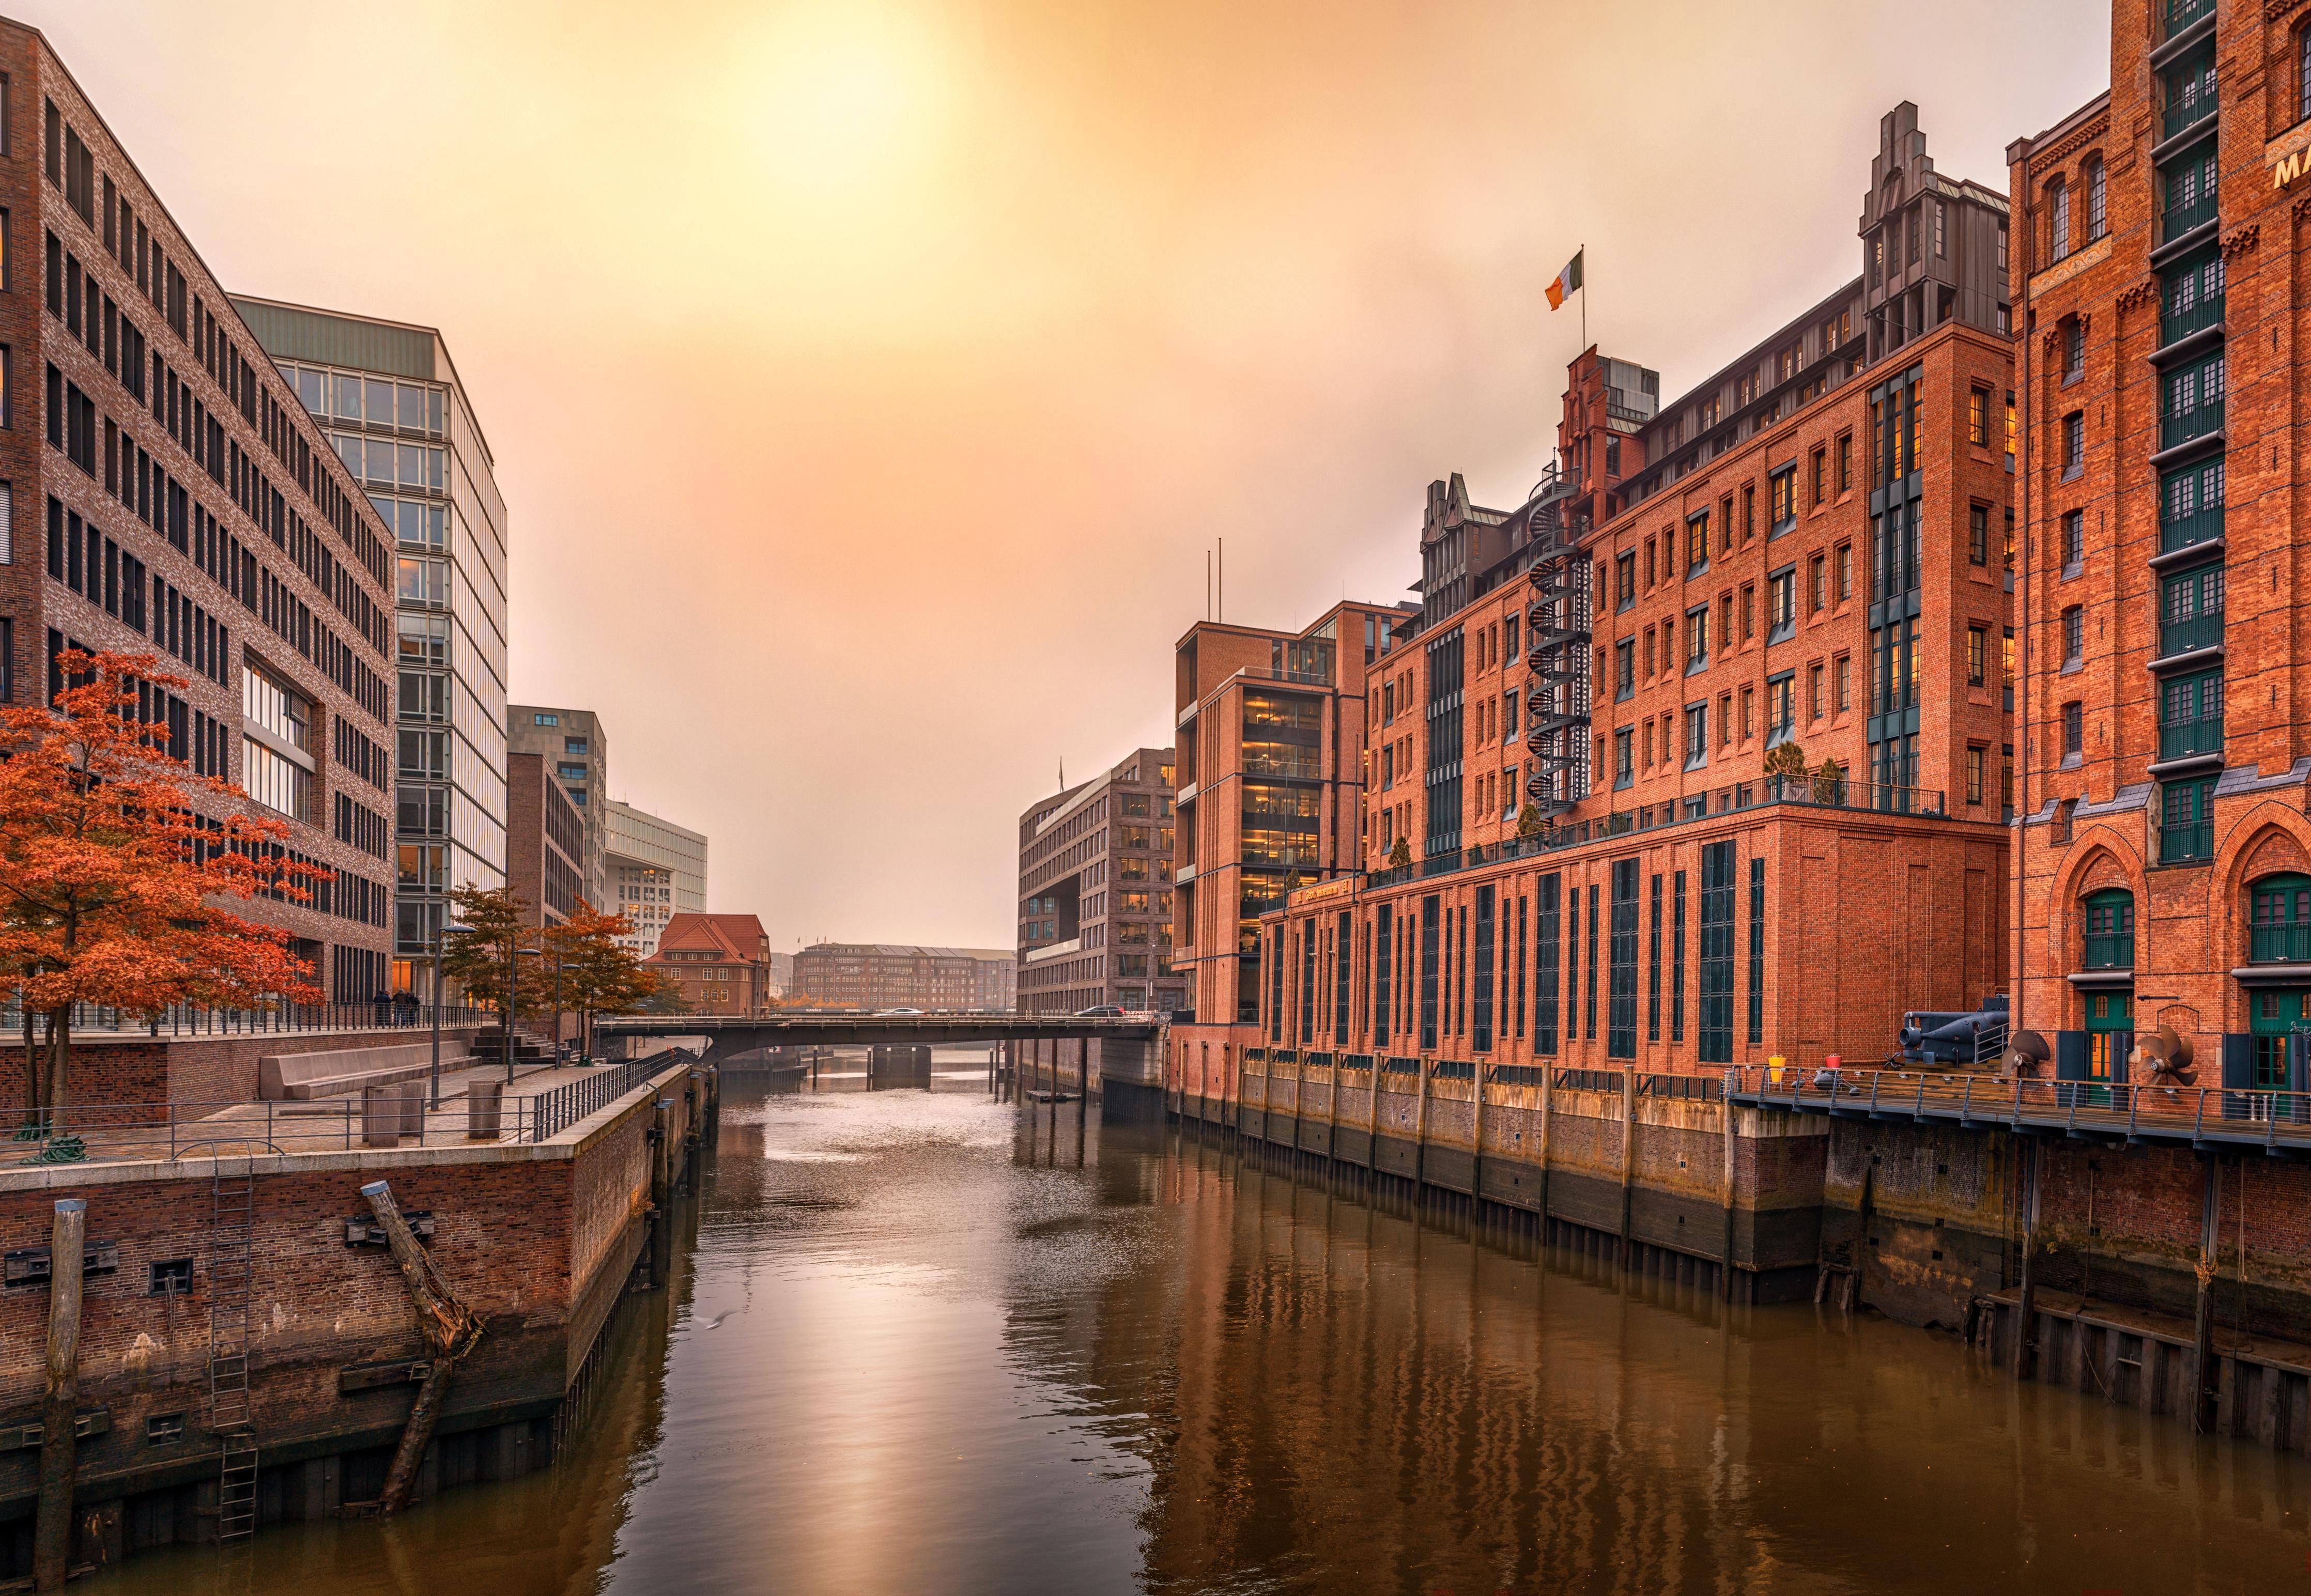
<point>559,966</point>
<point>513,987</point>
<point>440,931</point>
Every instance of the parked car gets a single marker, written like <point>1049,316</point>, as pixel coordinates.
<point>884,1012</point>
<point>1098,1011</point>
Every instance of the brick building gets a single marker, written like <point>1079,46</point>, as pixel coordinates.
<point>573,743</point>
<point>1803,557</point>
<point>175,498</point>
<point>721,962</point>
<point>872,975</point>
<point>2164,863</point>
<point>1271,778</point>
<point>1095,892</point>
<point>545,842</point>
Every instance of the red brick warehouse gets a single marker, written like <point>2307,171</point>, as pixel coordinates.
<point>1809,548</point>
<point>2164,859</point>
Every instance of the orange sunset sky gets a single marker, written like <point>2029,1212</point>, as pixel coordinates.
<point>866,381</point>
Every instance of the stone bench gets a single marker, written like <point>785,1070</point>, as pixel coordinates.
<point>296,1076</point>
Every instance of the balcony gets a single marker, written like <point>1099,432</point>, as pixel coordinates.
<point>2175,325</point>
<point>2186,110</point>
<point>2188,739</point>
<point>2184,637</point>
<point>2114,952</point>
<point>2279,944</point>
<point>2178,220</point>
<point>2190,843</point>
<point>2188,424</point>
<point>2182,13</point>
<point>2180,532</point>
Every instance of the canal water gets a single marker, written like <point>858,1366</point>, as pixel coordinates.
<point>915,1347</point>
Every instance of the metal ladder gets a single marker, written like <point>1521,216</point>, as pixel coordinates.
<point>232,1214</point>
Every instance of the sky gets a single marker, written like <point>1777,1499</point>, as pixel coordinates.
<point>867,382</point>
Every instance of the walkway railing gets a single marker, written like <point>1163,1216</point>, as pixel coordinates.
<point>556,1111</point>
<point>184,1019</point>
<point>2085,1108</point>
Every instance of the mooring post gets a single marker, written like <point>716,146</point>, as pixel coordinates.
<point>1476,1148</point>
<point>2026,1330</point>
<point>1420,1134</point>
<point>661,1232</point>
<point>1628,1156</point>
<point>1082,1094</point>
<point>52,1525</point>
<point>2203,1389</point>
<point>1548,1089</point>
<point>1725,1269</point>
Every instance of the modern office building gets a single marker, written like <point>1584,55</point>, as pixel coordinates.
<point>654,870</point>
<point>1095,892</point>
<point>400,420</point>
<point>545,838</point>
<point>572,741</point>
<point>178,500</point>
<point>872,975</point>
<point>1272,773</point>
<point>721,962</point>
<point>1710,731</point>
<point>2164,859</point>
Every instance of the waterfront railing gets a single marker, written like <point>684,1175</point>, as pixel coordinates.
<point>190,1020</point>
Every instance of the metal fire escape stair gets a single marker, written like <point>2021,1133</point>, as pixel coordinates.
<point>233,1215</point>
<point>1557,632</point>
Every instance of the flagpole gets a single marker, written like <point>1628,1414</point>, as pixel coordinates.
<point>1581,254</point>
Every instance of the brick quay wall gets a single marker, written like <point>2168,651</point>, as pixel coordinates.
<point>1929,1224</point>
<point>541,1240</point>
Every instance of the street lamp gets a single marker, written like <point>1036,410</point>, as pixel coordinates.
<point>559,966</point>
<point>513,986</point>
<point>446,927</point>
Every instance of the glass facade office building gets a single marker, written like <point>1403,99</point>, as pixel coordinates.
<point>394,411</point>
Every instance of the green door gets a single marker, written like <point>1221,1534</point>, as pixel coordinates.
<point>2110,1017</point>
<point>2273,1013</point>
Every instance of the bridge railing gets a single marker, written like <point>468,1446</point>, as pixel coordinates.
<point>2101,1106</point>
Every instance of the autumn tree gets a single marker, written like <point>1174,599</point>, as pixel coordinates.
<point>599,974</point>
<point>483,953</point>
<point>116,862</point>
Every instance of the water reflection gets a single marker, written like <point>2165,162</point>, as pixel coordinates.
<point>919,1348</point>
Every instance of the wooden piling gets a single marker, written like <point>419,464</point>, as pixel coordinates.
<point>2026,1311</point>
<point>1628,1156</point>
<point>445,1325</point>
<point>661,1219</point>
<point>1547,1087</point>
<point>2203,1386</point>
<point>52,1525</point>
<point>1082,1094</point>
<point>1725,1269</point>
<point>1477,1145</point>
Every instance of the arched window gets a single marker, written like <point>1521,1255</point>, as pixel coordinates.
<point>2110,929</point>
<point>2058,213</point>
<point>2303,74</point>
<point>2096,225</point>
<point>2279,920</point>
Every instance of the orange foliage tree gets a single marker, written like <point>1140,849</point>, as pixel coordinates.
<point>600,976</point>
<point>112,886</point>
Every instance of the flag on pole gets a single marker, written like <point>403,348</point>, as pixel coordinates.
<point>1568,281</point>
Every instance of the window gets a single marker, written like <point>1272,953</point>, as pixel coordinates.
<point>2186,828</point>
<point>1696,639</point>
<point>546,719</point>
<point>1780,707</point>
<point>2075,444</point>
<point>1820,473</point>
<point>1977,536</point>
<point>1716,1037</point>
<point>1977,417</point>
<point>1974,758</point>
<point>2073,730</point>
<point>2074,541</point>
<point>1624,580</point>
<point>1845,462</point>
<point>1841,678</point>
<point>2110,929</point>
<point>1844,571</point>
<point>1697,736</point>
<point>1977,655</point>
<point>1813,692</point>
<point>1781,603</point>
<point>1624,757</point>
<point>2058,222</point>
<point>1785,497</point>
<point>2303,74</point>
<point>2095,225</point>
<point>1696,543</point>
<point>2074,349</point>
<point>1621,988</point>
<point>1817,584</point>
<point>1625,669</point>
<point>2074,629</point>
<point>2010,429</point>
